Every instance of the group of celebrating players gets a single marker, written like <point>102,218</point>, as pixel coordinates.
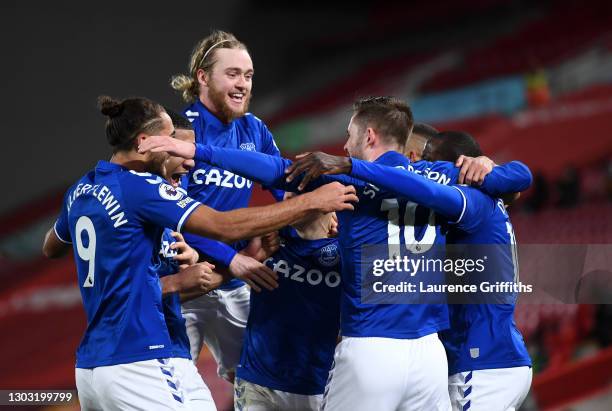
<point>275,292</point>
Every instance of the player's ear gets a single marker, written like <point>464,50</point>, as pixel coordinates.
<point>371,136</point>
<point>202,77</point>
<point>140,138</point>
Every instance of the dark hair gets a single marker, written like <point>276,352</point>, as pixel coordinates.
<point>178,120</point>
<point>449,145</point>
<point>389,116</point>
<point>128,118</point>
<point>424,130</point>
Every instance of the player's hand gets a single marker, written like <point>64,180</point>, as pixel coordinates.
<point>333,197</point>
<point>198,277</point>
<point>252,272</point>
<point>260,248</point>
<point>313,165</point>
<point>270,243</point>
<point>473,170</point>
<point>186,255</point>
<point>172,146</point>
<point>333,226</point>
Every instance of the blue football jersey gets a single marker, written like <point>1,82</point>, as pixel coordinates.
<point>218,188</point>
<point>292,331</point>
<point>482,335</point>
<point>172,302</point>
<point>114,217</point>
<point>485,336</point>
<point>380,218</point>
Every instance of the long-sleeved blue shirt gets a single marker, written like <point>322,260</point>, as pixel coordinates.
<point>368,224</point>
<point>219,188</point>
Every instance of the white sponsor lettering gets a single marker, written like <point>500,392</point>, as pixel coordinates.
<point>298,273</point>
<point>220,178</point>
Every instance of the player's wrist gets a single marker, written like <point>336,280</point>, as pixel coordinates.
<point>169,284</point>
<point>195,258</point>
<point>312,202</point>
<point>348,166</point>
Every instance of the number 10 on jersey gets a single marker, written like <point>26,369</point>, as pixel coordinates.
<point>408,222</point>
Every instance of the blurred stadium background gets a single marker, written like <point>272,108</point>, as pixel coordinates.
<point>531,80</point>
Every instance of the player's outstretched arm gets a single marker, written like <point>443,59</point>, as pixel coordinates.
<point>245,223</point>
<point>445,200</point>
<point>497,180</point>
<point>512,177</point>
<point>192,281</point>
<point>263,168</point>
<point>311,166</point>
<point>240,265</point>
<point>395,180</point>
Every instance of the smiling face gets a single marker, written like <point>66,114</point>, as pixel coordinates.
<point>176,167</point>
<point>226,89</point>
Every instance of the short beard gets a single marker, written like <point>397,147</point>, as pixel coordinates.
<point>227,115</point>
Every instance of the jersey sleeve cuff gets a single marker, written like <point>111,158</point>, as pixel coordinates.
<point>59,237</point>
<point>203,153</point>
<point>186,215</point>
<point>463,208</point>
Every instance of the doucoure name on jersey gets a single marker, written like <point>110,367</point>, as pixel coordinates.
<point>436,176</point>
<point>105,197</point>
<point>221,178</point>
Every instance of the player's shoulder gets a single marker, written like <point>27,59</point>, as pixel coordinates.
<point>140,178</point>
<point>477,201</point>
<point>423,165</point>
<point>443,172</point>
<point>250,117</point>
<point>134,183</point>
<point>86,179</point>
<point>474,193</point>
<point>252,121</point>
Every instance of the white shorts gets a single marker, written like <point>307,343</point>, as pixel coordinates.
<point>142,385</point>
<point>196,392</point>
<point>249,396</point>
<point>218,319</point>
<point>387,374</point>
<point>500,389</point>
